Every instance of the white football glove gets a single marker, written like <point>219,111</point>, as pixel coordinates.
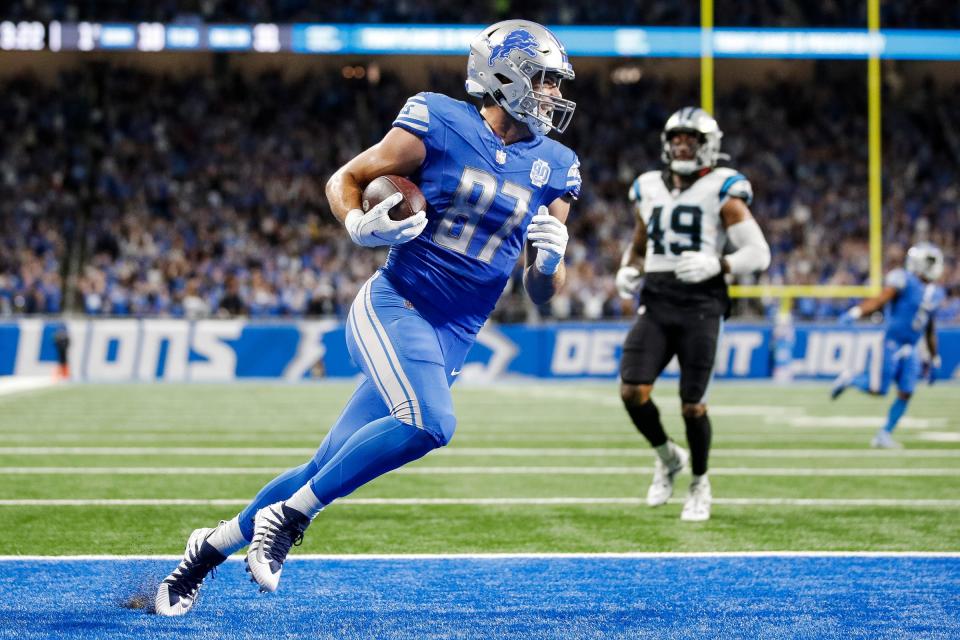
<point>697,267</point>
<point>549,236</point>
<point>628,282</point>
<point>375,228</point>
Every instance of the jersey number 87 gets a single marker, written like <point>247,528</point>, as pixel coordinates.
<point>474,197</point>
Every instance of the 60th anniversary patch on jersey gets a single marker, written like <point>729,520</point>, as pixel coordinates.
<point>539,173</point>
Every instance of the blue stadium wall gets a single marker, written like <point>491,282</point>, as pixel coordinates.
<point>224,350</point>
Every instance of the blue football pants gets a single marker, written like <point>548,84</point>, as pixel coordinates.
<point>401,409</point>
<point>901,366</point>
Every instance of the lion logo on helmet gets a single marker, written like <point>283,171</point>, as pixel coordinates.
<point>516,40</point>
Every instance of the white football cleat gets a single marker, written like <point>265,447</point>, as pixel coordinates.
<point>661,488</point>
<point>276,528</point>
<point>884,440</point>
<point>697,506</point>
<point>178,591</point>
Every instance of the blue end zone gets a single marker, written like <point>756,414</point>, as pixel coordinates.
<point>695,597</point>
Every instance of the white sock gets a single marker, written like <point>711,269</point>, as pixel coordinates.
<point>667,454</point>
<point>226,538</point>
<point>698,479</point>
<point>305,501</point>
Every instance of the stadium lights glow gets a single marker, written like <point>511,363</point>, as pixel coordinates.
<point>626,75</point>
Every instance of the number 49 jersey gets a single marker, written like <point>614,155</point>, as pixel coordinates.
<point>481,195</point>
<point>679,221</point>
<point>688,220</point>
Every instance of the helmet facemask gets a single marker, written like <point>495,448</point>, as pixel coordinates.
<point>540,110</point>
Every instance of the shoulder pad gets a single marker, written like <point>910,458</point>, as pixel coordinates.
<point>896,279</point>
<point>735,185</point>
<point>634,193</point>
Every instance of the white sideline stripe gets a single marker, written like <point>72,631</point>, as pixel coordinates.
<point>496,502</point>
<point>10,385</point>
<point>639,451</point>
<point>499,471</point>
<point>612,555</point>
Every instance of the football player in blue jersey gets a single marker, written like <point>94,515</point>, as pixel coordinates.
<point>910,298</point>
<point>495,187</point>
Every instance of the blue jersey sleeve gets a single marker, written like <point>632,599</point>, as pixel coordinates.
<point>572,187</point>
<point>564,177</point>
<point>416,118</point>
<point>896,279</point>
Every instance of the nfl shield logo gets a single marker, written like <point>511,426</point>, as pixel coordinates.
<point>539,173</point>
<point>501,156</point>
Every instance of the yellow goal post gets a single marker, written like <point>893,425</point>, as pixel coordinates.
<point>786,293</point>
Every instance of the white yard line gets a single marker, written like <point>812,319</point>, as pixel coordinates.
<point>536,452</point>
<point>856,422</point>
<point>494,502</point>
<point>669,404</point>
<point>94,437</point>
<point>623,555</point>
<point>864,472</point>
<point>11,385</point>
<point>859,452</point>
<point>158,451</point>
<point>940,436</point>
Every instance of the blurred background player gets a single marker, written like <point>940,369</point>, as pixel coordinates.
<point>61,342</point>
<point>494,184</point>
<point>685,214</point>
<point>910,297</point>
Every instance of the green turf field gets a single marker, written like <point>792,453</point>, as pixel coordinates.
<point>538,468</point>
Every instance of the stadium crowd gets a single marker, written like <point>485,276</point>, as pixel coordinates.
<point>125,193</point>
<point>778,13</point>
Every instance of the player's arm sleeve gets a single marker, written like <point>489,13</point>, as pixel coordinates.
<point>736,186</point>
<point>753,252</point>
<point>573,181</point>
<point>896,279</point>
<point>415,117</point>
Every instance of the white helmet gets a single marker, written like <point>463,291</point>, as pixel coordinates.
<point>926,261</point>
<point>507,59</point>
<point>700,123</point>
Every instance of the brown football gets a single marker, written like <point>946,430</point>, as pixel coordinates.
<point>383,187</point>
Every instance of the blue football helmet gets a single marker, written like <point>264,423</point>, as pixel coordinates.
<point>509,60</point>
